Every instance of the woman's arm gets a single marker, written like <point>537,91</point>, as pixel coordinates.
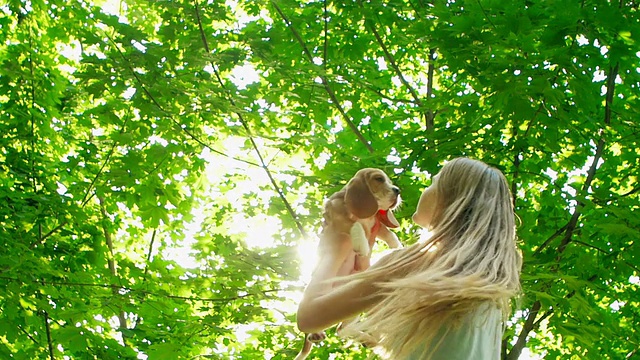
<point>322,306</point>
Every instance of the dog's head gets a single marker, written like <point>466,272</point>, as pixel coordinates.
<point>370,190</point>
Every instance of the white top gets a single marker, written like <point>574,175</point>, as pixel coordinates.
<point>478,337</point>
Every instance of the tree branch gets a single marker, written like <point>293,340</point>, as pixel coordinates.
<point>31,153</point>
<point>575,216</point>
<point>167,114</point>
<point>111,259</point>
<point>325,82</point>
<point>392,61</point>
<point>529,324</point>
<point>248,130</point>
<point>571,225</point>
<point>613,73</point>
<point>516,158</point>
<point>86,197</point>
<point>125,289</point>
<point>48,330</point>
<point>551,310</point>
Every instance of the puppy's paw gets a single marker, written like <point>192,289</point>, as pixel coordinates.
<point>361,250</point>
<point>359,240</point>
<point>316,337</point>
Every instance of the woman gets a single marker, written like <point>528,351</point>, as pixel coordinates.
<point>443,298</point>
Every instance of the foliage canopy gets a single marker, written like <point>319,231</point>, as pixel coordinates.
<point>135,133</point>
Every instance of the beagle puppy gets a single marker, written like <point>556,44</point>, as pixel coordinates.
<point>353,218</point>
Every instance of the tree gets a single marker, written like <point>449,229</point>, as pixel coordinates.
<point>134,131</point>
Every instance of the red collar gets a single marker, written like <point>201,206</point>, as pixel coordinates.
<point>381,217</point>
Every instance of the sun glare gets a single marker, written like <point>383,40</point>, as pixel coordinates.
<point>308,255</point>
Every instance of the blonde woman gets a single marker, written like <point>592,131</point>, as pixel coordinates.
<point>446,297</point>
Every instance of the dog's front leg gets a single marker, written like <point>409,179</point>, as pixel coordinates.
<point>389,237</point>
<point>359,239</point>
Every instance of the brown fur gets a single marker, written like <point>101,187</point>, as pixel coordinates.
<point>349,217</point>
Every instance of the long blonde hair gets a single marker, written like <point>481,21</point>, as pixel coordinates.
<point>470,258</point>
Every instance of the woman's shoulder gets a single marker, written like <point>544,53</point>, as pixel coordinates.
<point>485,312</point>
<point>478,336</point>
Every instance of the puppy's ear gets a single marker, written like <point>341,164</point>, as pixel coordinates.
<point>359,199</point>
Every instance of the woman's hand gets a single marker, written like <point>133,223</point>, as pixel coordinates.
<point>323,306</point>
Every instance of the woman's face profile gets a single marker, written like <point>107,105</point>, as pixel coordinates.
<point>426,205</point>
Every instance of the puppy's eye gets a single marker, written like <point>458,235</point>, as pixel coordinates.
<point>379,178</point>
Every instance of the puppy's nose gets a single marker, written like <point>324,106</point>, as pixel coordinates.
<point>396,190</point>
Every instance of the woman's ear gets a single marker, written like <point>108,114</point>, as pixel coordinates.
<point>359,198</point>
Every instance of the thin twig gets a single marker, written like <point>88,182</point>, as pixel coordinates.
<point>516,166</point>
<point>575,216</point>
<point>634,267</point>
<point>551,238</point>
<point>28,335</point>
<point>486,15</point>
<point>611,83</point>
<point>542,318</point>
<point>430,70</point>
<point>326,34</point>
<point>615,198</point>
<point>104,164</point>
<point>32,118</point>
<point>384,96</point>
<point>45,236</point>
<point>552,308</point>
<point>146,267</point>
<point>592,246</point>
<point>32,152</point>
